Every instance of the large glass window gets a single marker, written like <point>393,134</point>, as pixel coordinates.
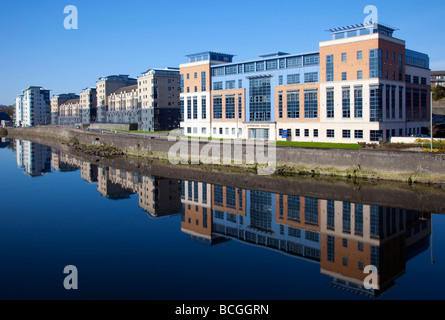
<point>311,77</point>
<point>375,63</point>
<point>280,105</point>
<point>375,105</point>
<point>346,104</point>
<point>204,108</point>
<point>311,105</point>
<point>346,217</point>
<point>294,62</point>
<point>358,103</point>
<point>330,68</point>
<point>230,107</point>
<point>293,105</point>
<point>249,67</point>
<point>293,79</point>
<point>408,102</point>
<point>330,104</point>
<point>189,108</point>
<point>358,219</point>
<point>218,85</point>
<point>311,60</point>
<point>195,108</point>
<point>311,211</point>
<point>293,207</point>
<point>203,81</point>
<point>217,107</point>
<point>240,106</point>
<point>272,64</point>
<point>182,109</point>
<point>260,99</point>
<point>230,85</point>
<point>331,215</point>
<point>231,70</point>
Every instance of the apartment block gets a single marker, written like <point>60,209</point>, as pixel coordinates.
<point>123,106</point>
<point>159,93</point>
<point>33,107</point>
<point>70,112</point>
<point>105,87</point>
<point>56,101</point>
<point>33,158</point>
<point>88,105</point>
<point>363,85</point>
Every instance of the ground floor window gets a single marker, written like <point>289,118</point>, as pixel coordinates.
<point>330,133</point>
<point>346,134</point>
<point>376,135</point>
<point>259,134</point>
<point>358,134</point>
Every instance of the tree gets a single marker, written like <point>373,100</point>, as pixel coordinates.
<point>438,93</point>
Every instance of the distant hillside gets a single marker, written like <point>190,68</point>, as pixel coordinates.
<point>9,110</point>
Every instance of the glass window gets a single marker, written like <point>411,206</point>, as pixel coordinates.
<point>311,77</point>
<point>294,62</point>
<point>218,85</point>
<point>344,57</point>
<point>329,68</point>
<point>330,104</point>
<point>272,64</point>
<point>260,66</point>
<point>297,132</point>
<point>311,60</point>
<point>346,104</point>
<point>230,85</point>
<point>293,79</point>
<point>375,105</point>
<point>204,108</point>
<point>359,55</point>
<point>375,63</point>
<point>293,105</point>
<point>217,107</point>
<point>346,134</point>
<point>230,107</point>
<point>330,133</point>
<point>231,70</point>
<point>260,99</point>
<point>359,75</point>
<point>249,67</point>
<point>358,134</point>
<point>358,103</point>
<point>311,105</point>
<point>344,76</point>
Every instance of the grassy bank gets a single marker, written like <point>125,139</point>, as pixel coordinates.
<point>320,145</point>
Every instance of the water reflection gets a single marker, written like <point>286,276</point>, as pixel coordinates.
<point>342,237</point>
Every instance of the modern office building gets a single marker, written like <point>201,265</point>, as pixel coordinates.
<point>438,78</point>
<point>363,85</point>
<point>56,102</point>
<point>105,87</point>
<point>33,107</point>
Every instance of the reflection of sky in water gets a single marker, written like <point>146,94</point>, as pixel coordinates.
<point>59,219</point>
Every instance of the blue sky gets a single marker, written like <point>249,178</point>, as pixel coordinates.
<point>128,37</point>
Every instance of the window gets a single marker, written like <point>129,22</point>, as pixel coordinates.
<point>360,246</point>
<point>260,99</point>
<point>188,76</point>
<point>330,104</point>
<point>311,211</point>
<point>344,57</point>
<point>196,75</point>
<point>297,132</point>
<point>344,76</point>
<point>330,133</point>
<point>280,80</point>
<point>182,109</point>
<point>218,85</point>
<point>230,107</point>
<point>220,131</point>
<point>315,133</point>
<point>423,81</point>
<point>311,105</point>
<point>249,67</point>
<point>260,66</point>
<point>359,75</point>
<point>416,80</point>
<point>217,107</point>
<point>345,262</point>
<point>294,62</point>
<point>358,134</point>
<point>231,70</point>
<point>240,84</point>
<point>189,108</point>
<point>293,79</point>
<point>359,55</point>
<point>306,133</point>
<point>280,105</point>
<point>375,104</point>
<point>204,108</point>
<point>358,103</point>
<point>407,78</point>
<point>346,134</point>
<point>329,68</point>
<point>331,248</point>
<point>271,64</point>
<point>240,106</point>
<point>293,105</point>
<point>400,103</point>
<point>230,85</point>
<point>346,103</point>
<point>346,217</point>
<point>311,77</point>
<point>376,135</point>
<point>375,63</point>
<point>203,81</point>
<point>195,108</point>
<point>311,60</point>
<point>345,243</point>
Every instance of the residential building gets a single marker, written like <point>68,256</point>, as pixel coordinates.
<point>105,87</point>
<point>438,78</point>
<point>88,105</point>
<point>33,107</point>
<point>361,86</point>
<point>123,106</point>
<point>34,158</point>
<point>159,93</point>
<point>70,112</point>
<point>56,101</point>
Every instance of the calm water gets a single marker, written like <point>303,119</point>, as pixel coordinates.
<point>134,236</point>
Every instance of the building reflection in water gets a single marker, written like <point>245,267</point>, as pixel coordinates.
<point>342,237</point>
<point>33,158</point>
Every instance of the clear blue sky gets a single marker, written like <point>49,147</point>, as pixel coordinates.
<point>128,37</point>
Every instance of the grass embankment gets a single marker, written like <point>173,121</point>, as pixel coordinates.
<point>319,145</point>
<point>146,132</point>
